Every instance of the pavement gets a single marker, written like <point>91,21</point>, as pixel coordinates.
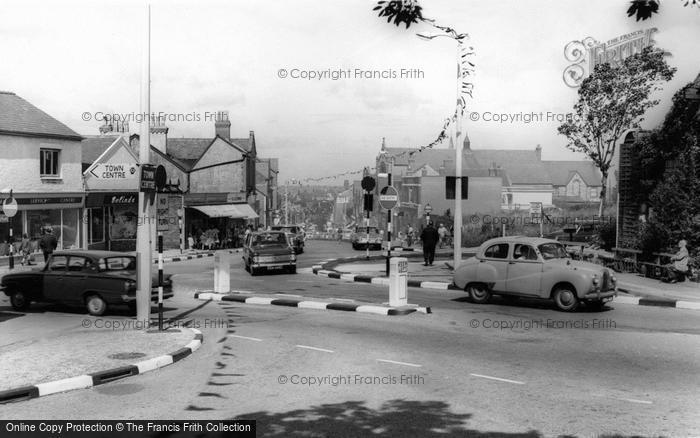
<point>439,276</point>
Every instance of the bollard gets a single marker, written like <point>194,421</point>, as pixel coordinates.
<point>398,282</point>
<point>222,272</point>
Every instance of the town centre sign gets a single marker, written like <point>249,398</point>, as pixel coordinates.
<point>585,54</point>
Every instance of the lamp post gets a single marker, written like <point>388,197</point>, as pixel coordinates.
<point>458,145</point>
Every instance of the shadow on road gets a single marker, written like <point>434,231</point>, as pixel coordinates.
<point>399,418</point>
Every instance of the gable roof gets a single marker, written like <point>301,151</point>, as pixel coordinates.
<point>94,146</point>
<point>19,117</point>
<point>562,172</point>
<point>522,166</point>
<point>187,150</point>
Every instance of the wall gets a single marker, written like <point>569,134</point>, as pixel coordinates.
<point>523,199</point>
<point>224,178</point>
<point>19,165</point>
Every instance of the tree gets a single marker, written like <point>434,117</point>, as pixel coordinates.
<point>645,8</point>
<point>611,101</point>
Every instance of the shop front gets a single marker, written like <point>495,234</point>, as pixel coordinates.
<point>217,220</point>
<point>112,220</point>
<point>61,212</point>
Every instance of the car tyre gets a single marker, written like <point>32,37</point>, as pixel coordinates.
<point>292,269</point>
<point>565,298</point>
<point>95,305</point>
<point>254,271</point>
<point>479,293</point>
<point>19,300</point>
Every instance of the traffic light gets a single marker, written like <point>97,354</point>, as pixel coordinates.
<point>369,200</point>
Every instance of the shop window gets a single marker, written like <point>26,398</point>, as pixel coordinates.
<point>39,220</point>
<point>96,225</point>
<point>48,162</point>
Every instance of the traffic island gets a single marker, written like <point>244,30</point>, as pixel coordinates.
<point>102,351</point>
<point>246,298</point>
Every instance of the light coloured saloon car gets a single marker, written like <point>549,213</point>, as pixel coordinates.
<point>536,268</point>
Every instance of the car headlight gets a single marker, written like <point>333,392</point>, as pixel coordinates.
<point>595,279</point>
<point>256,259</point>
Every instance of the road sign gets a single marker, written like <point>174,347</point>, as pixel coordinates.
<point>9,207</point>
<point>368,183</point>
<point>388,197</point>
<point>368,201</point>
<point>114,171</point>
<point>148,178</point>
<point>535,208</point>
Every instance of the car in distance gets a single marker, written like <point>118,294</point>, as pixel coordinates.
<point>583,231</point>
<point>297,231</point>
<point>534,267</point>
<point>268,250</point>
<point>94,279</point>
<point>360,240</point>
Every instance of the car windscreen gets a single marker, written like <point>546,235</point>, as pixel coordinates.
<point>117,263</point>
<point>553,251</point>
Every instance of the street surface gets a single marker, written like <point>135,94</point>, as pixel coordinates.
<point>508,368</point>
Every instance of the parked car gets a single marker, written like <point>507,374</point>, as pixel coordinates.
<point>360,240</point>
<point>578,231</point>
<point>534,267</point>
<point>94,279</point>
<point>299,235</point>
<point>268,250</point>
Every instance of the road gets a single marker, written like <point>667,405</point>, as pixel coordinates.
<point>523,369</point>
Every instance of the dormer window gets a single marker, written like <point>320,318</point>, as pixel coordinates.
<point>49,162</point>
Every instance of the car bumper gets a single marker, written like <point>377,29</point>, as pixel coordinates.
<point>600,295</point>
<point>273,264</point>
<point>154,296</point>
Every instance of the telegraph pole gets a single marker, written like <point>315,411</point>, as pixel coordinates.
<point>145,209</point>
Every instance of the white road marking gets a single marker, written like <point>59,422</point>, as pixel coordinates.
<point>497,378</point>
<point>315,348</point>
<point>634,400</point>
<point>246,337</point>
<point>400,363</point>
<point>288,295</point>
<point>301,281</point>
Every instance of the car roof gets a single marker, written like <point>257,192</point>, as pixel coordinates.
<point>96,254</point>
<point>519,239</point>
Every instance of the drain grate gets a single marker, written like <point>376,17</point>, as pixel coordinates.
<point>130,355</point>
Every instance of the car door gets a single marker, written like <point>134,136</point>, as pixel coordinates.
<point>495,258</point>
<point>524,270</point>
<point>76,278</point>
<point>54,278</point>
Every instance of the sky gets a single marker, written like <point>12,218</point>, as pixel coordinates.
<point>77,60</point>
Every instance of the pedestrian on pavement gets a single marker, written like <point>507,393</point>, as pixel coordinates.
<point>430,238</point>
<point>25,250</point>
<point>48,243</point>
<point>409,236</point>
<point>679,268</point>
<point>442,231</point>
<point>340,235</point>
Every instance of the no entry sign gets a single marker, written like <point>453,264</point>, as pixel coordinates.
<point>388,197</point>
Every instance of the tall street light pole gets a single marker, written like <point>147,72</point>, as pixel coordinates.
<point>458,145</point>
<point>143,233</point>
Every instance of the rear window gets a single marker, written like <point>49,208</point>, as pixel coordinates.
<point>265,239</point>
<point>117,264</point>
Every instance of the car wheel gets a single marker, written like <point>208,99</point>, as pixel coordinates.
<point>292,269</point>
<point>565,298</point>
<point>19,300</point>
<point>132,308</point>
<point>254,271</point>
<point>354,246</point>
<point>479,293</point>
<point>96,306</point>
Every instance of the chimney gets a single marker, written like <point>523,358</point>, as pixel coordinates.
<point>159,133</point>
<point>114,127</point>
<point>538,152</point>
<point>222,126</point>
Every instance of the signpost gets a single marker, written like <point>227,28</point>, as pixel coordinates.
<point>9,207</point>
<point>388,198</point>
<point>114,171</point>
<point>536,213</point>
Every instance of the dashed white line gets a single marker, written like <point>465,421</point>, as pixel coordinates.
<point>315,348</point>
<point>289,295</point>
<point>497,378</point>
<point>634,400</point>
<point>400,363</point>
<point>246,337</point>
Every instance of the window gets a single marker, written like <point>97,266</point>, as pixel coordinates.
<point>48,162</point>
<point>594,193</point>
<point>118,264</point>
<point>58,263</point>
<point>77,264</point>
<point>451,186</point>
<point>524,252</point>
<point>499,251</point>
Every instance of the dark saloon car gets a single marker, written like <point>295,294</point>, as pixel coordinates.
<point>361,239</point>
<point>297,231</point>
<point>94,279</point>
<point>268,250</point>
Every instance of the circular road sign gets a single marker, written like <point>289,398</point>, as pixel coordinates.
<point>368,183</point>
<point>9,207</point>
<point>388,197</point>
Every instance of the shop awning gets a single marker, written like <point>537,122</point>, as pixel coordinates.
<point>237,211</point>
